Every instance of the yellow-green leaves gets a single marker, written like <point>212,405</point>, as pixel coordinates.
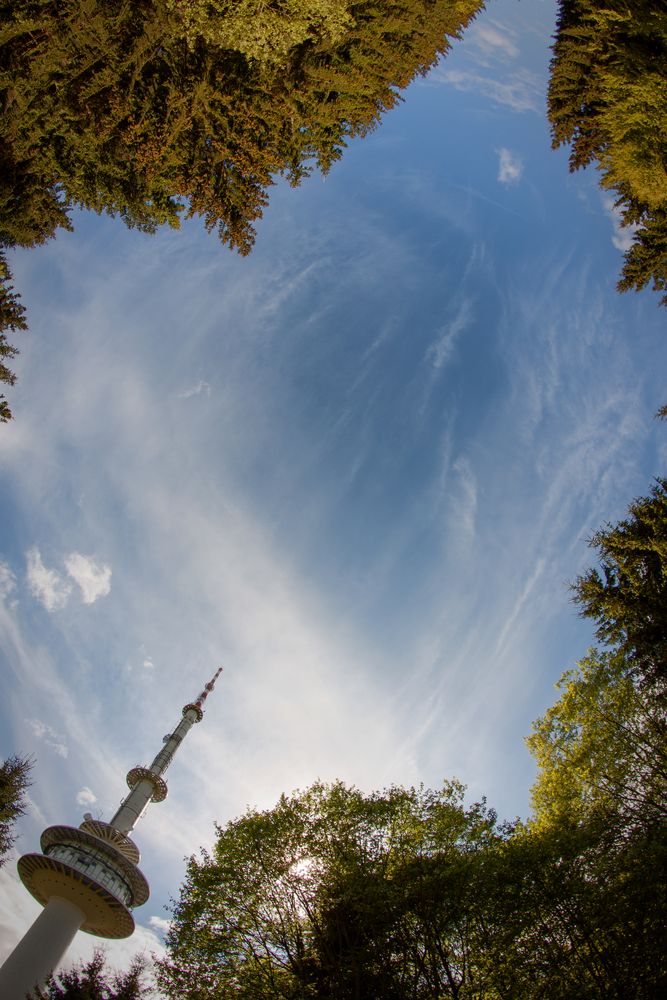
<point>263,31</point>
<point>601,749</point>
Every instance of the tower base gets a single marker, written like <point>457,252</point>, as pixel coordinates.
<point>41,950</point>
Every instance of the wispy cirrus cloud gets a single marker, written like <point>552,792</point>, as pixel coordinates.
<point>7,580</point>
<point>521,90</point>
<point>510,166</point>
<point>441,349</point>
<point>52,739</point>
<point>493,40</point>
<point>196,390</point>
<point>465,499</point>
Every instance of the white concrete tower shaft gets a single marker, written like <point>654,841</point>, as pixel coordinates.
<point>87,877</point>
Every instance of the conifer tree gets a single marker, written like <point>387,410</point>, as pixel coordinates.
<point>14,781</point>
<point>608,100</point>
<point>627,595</point>
<point>12,317</point>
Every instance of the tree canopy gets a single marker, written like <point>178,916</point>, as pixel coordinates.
<point>156,110</point>
<point>608,99</point>
<point>93,981</point>
<point>318,896</point>
<point>406,893</point>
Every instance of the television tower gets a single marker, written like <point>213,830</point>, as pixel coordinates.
<point>86,877</point>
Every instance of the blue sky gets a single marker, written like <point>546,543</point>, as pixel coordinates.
<point>357,468</point>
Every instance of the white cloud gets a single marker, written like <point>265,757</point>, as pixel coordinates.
<point>93,580</point>
<point>494,40</point>
<point>519,604</point>
<point>464,500</point>
<point>159,924</point>
<point>148,663</point>
<point>440,351</point>
<point>196,390</point>
<point>510,166</point>
<point>85,797</point>
<point>34,810</point>
<point>47,585</point>
<point>520,91</point>
<point>53,739</point>
<point>623,236</point>
<point>7,580</point>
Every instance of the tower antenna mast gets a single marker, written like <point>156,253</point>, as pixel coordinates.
<point>87,877</point>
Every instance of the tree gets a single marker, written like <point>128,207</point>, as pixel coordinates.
<point>599,811</point>
<point>608,99</point>
<point>627,597</point>
<point>162,109</point>
<point>334,895</point>
<point>601,749</point>
<point>12,317</point>
<point>92,981</point>
<point>327,895</point>
<point>14,781</point>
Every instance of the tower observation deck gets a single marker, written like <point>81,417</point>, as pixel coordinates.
<point>87,877</point>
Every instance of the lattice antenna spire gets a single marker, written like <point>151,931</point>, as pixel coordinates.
<point>146,783</point>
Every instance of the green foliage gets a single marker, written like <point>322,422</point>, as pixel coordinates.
<point>608,98</point>
<point>571,911</point>
<point>627,597</point>
<point>155,110</point>
<point>601,749</point>
<point>92,981</point>
<point>14,781</point>
<point>12,317</point>
<point>336,895</point>
<point>324,896</point>
<point>260,31</point>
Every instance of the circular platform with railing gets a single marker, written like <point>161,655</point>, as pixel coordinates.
<point>90,871</point>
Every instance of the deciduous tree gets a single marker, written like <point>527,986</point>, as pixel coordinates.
<point>330,894</point>
<point>601,749</point>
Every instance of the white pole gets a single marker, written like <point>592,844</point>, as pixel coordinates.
<point>41,950</point>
